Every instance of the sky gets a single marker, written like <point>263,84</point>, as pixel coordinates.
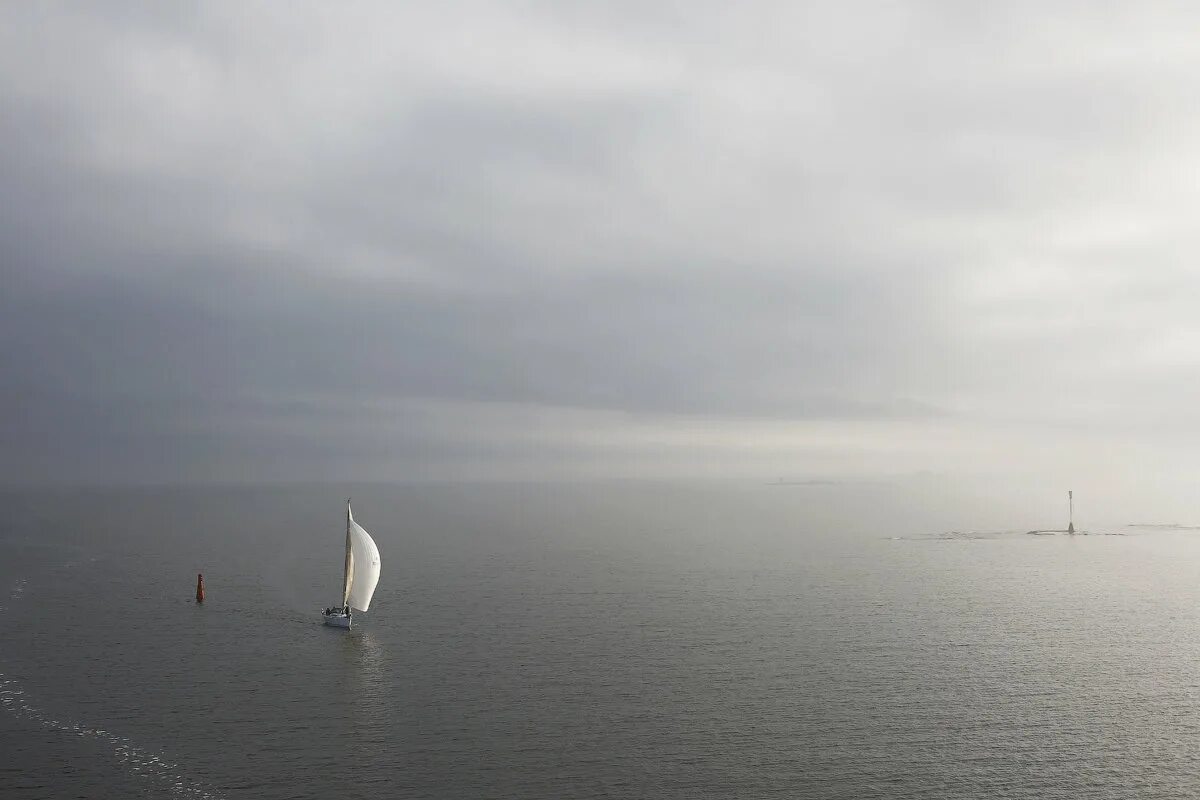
<point>450,241</point>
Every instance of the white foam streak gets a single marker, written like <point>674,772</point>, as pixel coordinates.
<point>141,762</point>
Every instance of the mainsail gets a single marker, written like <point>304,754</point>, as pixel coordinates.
<point>362,565</point>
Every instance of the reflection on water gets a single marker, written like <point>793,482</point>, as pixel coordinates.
<point>363,658</point>
<point>595,642</point>
<point>367,680</point>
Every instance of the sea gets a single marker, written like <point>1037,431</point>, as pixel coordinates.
<point>739,639</point>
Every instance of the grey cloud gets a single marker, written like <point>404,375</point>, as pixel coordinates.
<point>810,214</point>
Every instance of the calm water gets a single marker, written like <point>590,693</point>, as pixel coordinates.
<point>576,642</point>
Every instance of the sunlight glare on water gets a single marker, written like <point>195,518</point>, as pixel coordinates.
<point>615,640</point>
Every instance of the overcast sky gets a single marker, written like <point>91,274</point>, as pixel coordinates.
<point>425,241</point>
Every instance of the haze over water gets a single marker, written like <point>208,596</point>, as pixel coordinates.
<point>591,640</point>
<point>724,356</point>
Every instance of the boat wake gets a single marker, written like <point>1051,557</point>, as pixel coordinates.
<point>164,776</point>
<point>952,536</point>
<point>967,536</point>
<point>14,593</point>
<point>1163,526</point>
<point>1061,532</point>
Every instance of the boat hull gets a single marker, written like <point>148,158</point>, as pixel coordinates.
<point>337,620</point>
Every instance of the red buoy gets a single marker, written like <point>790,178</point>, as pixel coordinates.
<point>199,588</point>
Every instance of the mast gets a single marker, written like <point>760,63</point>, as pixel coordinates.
<point>1071,519</point>
<point>349,558</point>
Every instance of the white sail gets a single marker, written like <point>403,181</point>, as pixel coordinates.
<point>362,565</point>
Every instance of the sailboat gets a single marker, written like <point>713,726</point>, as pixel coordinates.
<point>360,577</point>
